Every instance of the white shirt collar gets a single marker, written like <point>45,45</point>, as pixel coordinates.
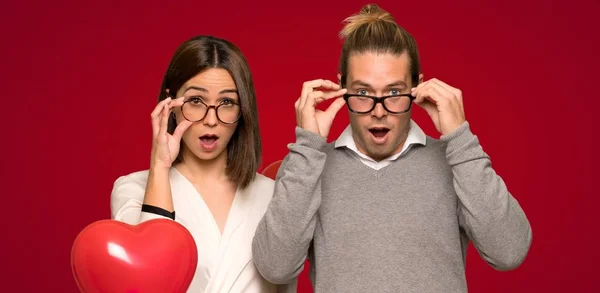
<point>415,136</point>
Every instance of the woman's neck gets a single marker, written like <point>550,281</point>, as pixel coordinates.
<point>203,171</point>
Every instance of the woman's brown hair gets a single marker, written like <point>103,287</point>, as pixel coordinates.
<point>374,30</point>
<point>203,52</point>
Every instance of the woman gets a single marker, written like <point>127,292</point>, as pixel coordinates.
<point>205,152</point>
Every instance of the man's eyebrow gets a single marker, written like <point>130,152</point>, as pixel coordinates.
<point>365,84</point>
<point>361,83</point>
<point>397,83</point>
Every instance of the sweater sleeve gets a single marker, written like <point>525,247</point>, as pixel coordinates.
<point>284,234</point>
<point>491,217</point>
<point>126,202</point>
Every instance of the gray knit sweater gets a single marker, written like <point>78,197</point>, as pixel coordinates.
<point>403,228</point>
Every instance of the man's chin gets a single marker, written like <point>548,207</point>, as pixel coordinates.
<point>378,152</point>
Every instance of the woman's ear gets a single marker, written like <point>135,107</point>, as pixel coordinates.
<point>167,91</point>
<point>420,78</point>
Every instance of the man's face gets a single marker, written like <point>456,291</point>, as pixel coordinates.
<point>379,134</point>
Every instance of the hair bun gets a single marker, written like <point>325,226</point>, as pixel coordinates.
<point>368,14</point>
<point>373,13</point>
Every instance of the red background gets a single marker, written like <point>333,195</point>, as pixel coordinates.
<point>79,79</point>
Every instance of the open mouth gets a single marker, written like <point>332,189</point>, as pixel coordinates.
<point>208,140</point>
<point>379,132</point>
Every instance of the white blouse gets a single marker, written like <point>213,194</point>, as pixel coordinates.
<point>224,261</point>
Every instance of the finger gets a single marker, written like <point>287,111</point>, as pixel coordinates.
<point>177,102</point>
<point>426,104</point>
<point>158,109</point>
<point>164,121</point>
<point>421,93</point>
<point>335,107</point>
<point>423,101</point>
<point>310,86</point>
<point>180,129</point>
<point>174,104</point>
<point>317,97</point>
<point>307,87</point>
<point>456,92</point>
<point>155,115</point>
<point>333,85</point>
<point>323,96</point>
<point>443,93</point>
<point>296,108</point>
<point>415,91</point>
<point>418,92</point>
<point>444,85</point>
<point>431,93</point>
<point>420,86</point>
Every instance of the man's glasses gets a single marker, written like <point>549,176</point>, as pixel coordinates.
<point>195,110</point>
<point>394,104</point>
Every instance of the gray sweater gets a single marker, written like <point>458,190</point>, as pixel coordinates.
<point>403,228</point>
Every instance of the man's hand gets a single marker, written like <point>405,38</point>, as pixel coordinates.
<point>443,103</point>
<point>311,119</point>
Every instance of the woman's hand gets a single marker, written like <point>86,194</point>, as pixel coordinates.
<point>165,146</point>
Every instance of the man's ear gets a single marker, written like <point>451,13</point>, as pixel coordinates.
<point>167,91</point>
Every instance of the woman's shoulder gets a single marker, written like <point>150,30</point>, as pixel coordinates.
<point>262,182</point>
<point>261,187</point>
<point>140,178</point>
<point>136,178</point>
<point>130,186</point>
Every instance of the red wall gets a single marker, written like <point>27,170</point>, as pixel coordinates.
<point>79,80</point>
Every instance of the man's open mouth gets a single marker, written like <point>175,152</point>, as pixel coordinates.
<point>379,132</point>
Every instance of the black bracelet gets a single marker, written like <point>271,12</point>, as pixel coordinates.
<point>159,211</point>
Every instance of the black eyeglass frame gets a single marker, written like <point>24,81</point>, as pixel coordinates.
<point>377,100</point>
<point>208,107</point>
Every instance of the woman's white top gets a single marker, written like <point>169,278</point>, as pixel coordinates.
<point>224,261</point>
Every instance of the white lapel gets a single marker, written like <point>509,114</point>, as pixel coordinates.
<point>234,251</point>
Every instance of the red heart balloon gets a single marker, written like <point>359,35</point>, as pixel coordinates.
<point>158,255</point>
<point>272,169</point>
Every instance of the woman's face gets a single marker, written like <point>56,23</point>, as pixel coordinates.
<point>208,139</point>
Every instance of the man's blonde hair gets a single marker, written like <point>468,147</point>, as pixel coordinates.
<point>375,30</point>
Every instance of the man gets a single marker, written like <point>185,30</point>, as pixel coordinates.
<point>386,208</point>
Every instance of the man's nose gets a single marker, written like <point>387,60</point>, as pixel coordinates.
<point>379,111</point>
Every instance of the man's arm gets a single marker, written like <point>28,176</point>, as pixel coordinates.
<point>490,215</point>
<point>284,234</point>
